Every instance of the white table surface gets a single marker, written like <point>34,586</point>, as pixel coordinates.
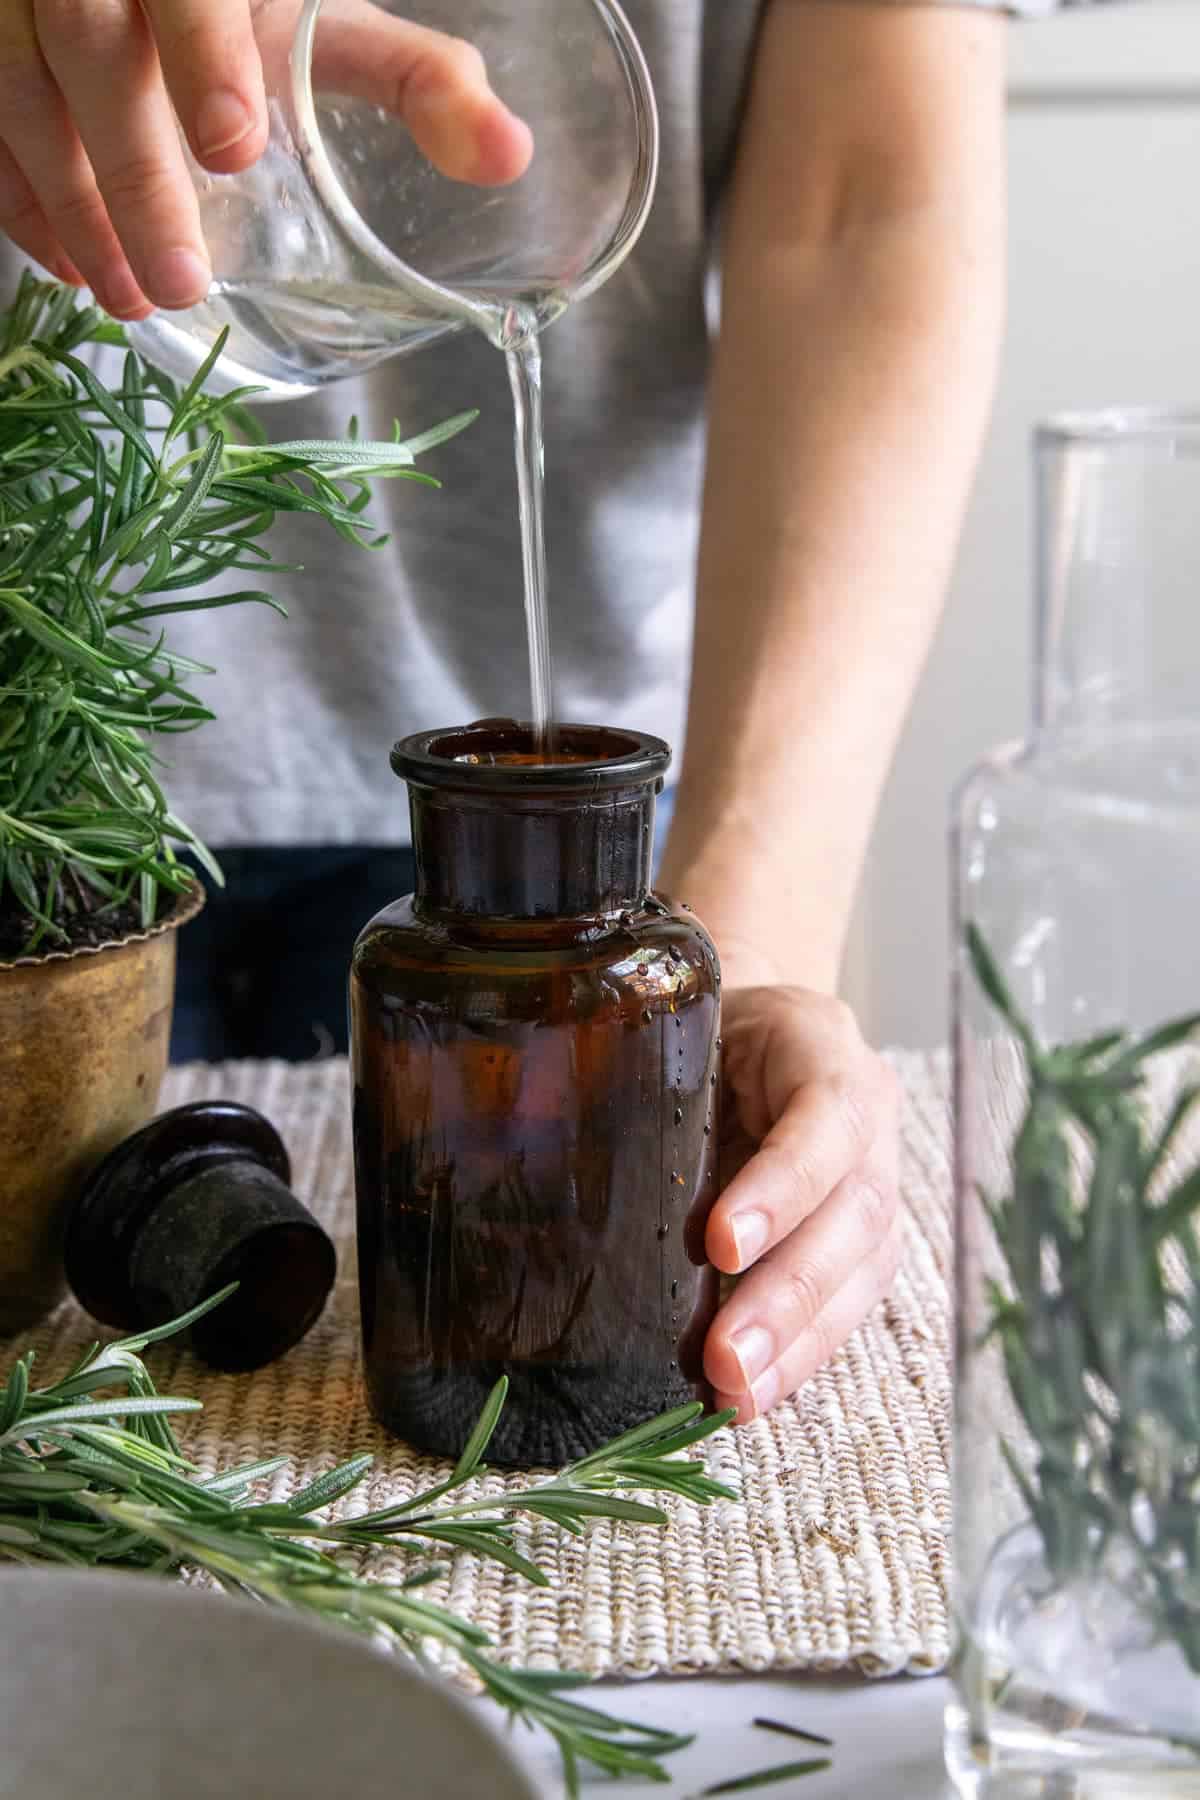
<point>887,1736</point>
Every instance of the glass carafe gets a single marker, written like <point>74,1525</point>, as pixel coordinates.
<point>535,1069</point>
<point>343,245</point>
<point>1077,864</point>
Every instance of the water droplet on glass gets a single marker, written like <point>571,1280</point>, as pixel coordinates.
<point>679,1115</point>
<point>720,1041</point>
<point>712,1080</point>
<point>648,1016</point>
<point>708,1131</point>
<point>675,953</point>
<point>674,1290</point>
<point>662,1231</point>
<point>684,907</point>
<point>642,969</point>
<point>678,1022</point>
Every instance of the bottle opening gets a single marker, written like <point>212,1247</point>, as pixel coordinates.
<point>503,743</point>
<point>504,753</point>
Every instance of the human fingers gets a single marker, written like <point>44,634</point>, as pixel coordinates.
<point>128,179</point>
<point>827,1128</point>
<point>22,219</point>
<point>815,1342</point>
<point>210,62</point>
<point>437,84</point>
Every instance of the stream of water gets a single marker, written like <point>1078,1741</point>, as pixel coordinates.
<point>295,333</point>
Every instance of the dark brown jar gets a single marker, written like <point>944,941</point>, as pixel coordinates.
<point>534,1056</point>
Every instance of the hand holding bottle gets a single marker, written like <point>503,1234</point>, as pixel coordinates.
<point>93,93</point>
<point>812,1212</point>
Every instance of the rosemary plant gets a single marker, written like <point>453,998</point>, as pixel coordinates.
<point>118,509</point>
<point>1101,1345</point>
<point>102,1482</point>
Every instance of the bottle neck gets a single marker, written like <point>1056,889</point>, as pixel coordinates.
<point>538,856</point>
<point>1118,503</point>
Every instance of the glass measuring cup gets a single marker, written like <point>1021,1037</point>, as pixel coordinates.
<point>343,245</point>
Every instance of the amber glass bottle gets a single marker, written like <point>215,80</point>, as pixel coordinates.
<point>535,1067</point>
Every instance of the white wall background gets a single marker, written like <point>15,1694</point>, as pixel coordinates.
<point>1104,308</point>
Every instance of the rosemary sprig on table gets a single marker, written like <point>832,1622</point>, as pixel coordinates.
<point>761,1778</point>
<point>1101,1349</point>
<point>119,507</point>
<point>794,1731</point>
<point>102,1482</point>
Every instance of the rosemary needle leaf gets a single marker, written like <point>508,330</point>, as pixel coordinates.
<point>160,1333</point>
<point>322,1492</point>
<point>741,1784</point>
<point>42,1424</point>
<point>481,1437</point>
<point>496,1549</point>
<point>795,1731</point>
<point>651,1432</point>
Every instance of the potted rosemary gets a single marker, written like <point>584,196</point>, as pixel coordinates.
<point>118,507</point>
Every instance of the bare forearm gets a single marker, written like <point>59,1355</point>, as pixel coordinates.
<point>850,391</point>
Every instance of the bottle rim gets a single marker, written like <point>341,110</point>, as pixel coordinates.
<point>1106,427</point>
<point>590,758</point>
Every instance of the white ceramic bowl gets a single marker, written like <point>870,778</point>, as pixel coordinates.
<point>127,1687</point>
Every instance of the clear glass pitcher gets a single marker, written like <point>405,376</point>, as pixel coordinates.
<point>1077,873</point>
<point>343,245</point>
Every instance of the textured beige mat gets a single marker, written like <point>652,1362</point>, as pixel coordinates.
<point>836,1554</point>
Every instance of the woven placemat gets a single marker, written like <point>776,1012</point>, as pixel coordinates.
<point>836,1555</point>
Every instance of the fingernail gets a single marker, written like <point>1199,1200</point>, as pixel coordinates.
<point>754,1348</point>
<point>222,119</point>
<point>178,278</point>
<point>750,1233</point>
<point>766,1392</point>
